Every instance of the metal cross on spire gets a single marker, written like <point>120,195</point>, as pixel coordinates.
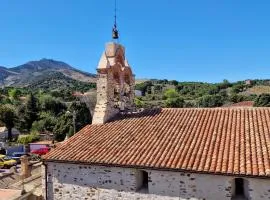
<point>115,34</point>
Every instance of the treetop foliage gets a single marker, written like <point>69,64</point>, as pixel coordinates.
<point>163,93</point>
<point>42,112</point>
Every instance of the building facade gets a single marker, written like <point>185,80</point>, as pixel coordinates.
<point>76,181</point>
<point>189,153</point>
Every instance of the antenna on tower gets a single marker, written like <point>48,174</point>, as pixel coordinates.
<point>115,34</point>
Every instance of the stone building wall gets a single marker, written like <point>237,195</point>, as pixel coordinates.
<point>74,181</point>
<point>115,84</point>
<point>71,181</point>
<point>259,188</point>
<point>190,185</point>
<point>104,108</point>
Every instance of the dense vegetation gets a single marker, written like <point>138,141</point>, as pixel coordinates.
<point>166,93</point>
<point>51,110</point>
<point>36,112</point>
<point>57,80</point>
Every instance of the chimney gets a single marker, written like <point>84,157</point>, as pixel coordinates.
<point>25,167</point>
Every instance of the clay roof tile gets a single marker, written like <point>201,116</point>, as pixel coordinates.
<point>207,140</point>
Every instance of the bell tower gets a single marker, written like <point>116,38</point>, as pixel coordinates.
<point>115,84</point>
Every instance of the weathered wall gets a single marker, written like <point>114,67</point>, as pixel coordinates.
<point>71,181</point>
<point>190,185</point>
<point>115,84</point>
<point>104,108</point>
<point>259,189</point>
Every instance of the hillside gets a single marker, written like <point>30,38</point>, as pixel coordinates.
<point>57,76</point>
<point>32,73</point>
<point>5,72</point>
<point>166,93</point>
<point>258,89</point>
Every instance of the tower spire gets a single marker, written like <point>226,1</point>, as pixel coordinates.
<point>115,34</point>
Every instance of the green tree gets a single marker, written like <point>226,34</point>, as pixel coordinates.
<point>171,93</point>
<point>177,102</point>
<point>238,88</point>
<point>8,117</point>
<point>235,98</point>
<point>174,82</point>
<point>46,122</point>
<point>14,93</point>
<point>262,100</point>
<point>225,84</point>
<point>211,101</point>
<point>144,87</point>
<point>213,90</point>
<point>63,127</point>
<point>26,139</point>
<point>31,111</point>
<point>80,114</point>
<point>139,103</point>
<point>5,100</point>
<point>51,104</point>
<point>223,93</point>
<point>20,122</point>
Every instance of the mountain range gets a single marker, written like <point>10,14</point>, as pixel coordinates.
<point>44,70</point>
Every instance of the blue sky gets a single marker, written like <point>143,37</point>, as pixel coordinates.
<point>208,40</point>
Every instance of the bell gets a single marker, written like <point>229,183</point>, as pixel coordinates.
<point>115,33</point>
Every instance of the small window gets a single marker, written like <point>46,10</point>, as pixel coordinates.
<point>240,188</point>
<point>143,181</point>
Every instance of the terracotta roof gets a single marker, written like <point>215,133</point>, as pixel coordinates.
<point>207,140</point>
<point>242,104</point>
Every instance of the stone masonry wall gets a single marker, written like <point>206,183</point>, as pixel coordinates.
<point>104,108</point>
<point>114,74</point>
<point>190,185</point>
<point>73,181</point>
<point>259,188</point>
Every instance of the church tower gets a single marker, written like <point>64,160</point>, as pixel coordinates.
<point>115,84</point>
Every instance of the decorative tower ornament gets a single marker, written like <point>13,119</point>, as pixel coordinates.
<point>115,33</point>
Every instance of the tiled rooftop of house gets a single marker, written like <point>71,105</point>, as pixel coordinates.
<point>231,141</point>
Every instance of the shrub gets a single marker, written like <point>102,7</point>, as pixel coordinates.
<point>171,93</point>
<point>211,101</point>
<point>177,102</point>
<point>262,100</point>
<point>25,139</point>
<point>139,103</point>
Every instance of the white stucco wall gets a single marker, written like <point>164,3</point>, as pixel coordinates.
<point>73,181</point>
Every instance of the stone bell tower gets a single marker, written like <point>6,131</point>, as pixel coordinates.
<point>115,84</point>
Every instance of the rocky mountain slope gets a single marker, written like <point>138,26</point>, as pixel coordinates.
<point>35,72</point>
